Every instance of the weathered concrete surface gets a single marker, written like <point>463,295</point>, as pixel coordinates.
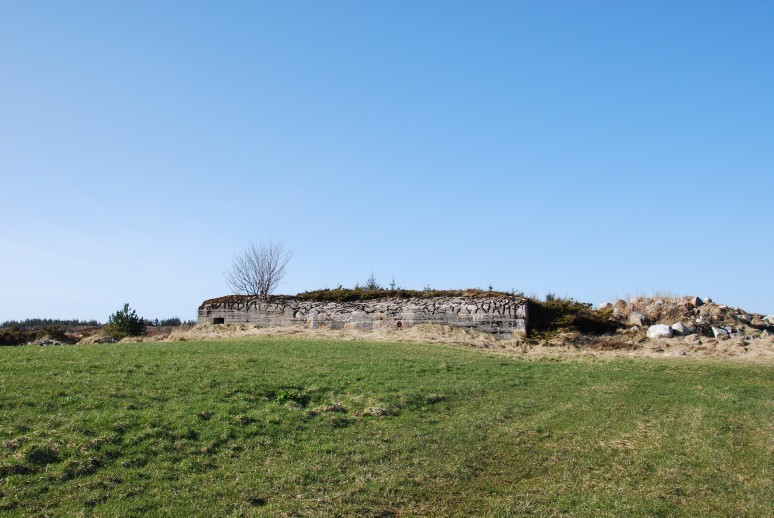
<point>497,315</point>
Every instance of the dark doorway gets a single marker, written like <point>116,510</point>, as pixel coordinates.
<point>219,320</point>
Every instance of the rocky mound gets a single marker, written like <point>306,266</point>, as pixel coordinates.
<point>685,316</point>
<point>49,340</point>
<point>684,326</point>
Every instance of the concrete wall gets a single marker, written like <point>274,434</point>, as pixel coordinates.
<point>498,315</point>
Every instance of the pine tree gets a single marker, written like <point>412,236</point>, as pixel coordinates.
<point>125,322</point>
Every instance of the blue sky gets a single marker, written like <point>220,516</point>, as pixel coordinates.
<point>589,149</point>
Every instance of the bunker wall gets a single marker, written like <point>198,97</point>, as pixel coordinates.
<point>497,315</point>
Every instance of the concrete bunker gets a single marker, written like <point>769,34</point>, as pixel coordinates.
<point>498,314</point>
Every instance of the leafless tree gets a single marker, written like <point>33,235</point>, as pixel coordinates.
<point>258,269</point>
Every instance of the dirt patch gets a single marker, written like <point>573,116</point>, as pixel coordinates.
<point>611,345</point>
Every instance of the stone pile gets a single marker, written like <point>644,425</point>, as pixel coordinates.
<point>47,341</point>
<point>686,316</point>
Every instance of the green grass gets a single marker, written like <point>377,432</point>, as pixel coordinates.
<point>275,427</point>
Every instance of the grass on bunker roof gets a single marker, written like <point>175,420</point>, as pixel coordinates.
<point>279,426</point>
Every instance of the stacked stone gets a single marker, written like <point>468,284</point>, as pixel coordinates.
<point>497,315</point>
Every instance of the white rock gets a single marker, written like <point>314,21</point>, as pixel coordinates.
<point>719,331</point>
<point>660,331</point>
<point>681,329</point>
<point>769,319</point>
<point>605,305</point>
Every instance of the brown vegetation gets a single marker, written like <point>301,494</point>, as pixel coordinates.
<point>355,294</point>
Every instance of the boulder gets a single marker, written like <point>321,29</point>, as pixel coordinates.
<point>659,331</point>
<point>769,319</point>
<point>605,305</point>
<point>681,329</point>
<point>696,302</point>
<point>720,331</point>
<point>638,319</point>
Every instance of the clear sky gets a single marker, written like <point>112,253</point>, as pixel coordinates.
<point>590,149</point>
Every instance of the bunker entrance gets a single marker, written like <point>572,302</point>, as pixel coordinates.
<point>218,320</point>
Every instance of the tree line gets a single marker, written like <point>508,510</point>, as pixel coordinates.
<point>42,322</point>
<point>34,323</point>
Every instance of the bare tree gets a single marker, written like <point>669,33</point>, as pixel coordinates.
<point>258,269</point>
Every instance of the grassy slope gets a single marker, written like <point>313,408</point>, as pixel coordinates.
<point>242,428</point>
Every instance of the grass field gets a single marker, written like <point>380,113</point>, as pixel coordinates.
<point>281,427</point>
